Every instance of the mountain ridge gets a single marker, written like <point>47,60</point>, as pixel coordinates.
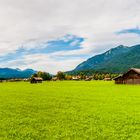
<point>115,60</point>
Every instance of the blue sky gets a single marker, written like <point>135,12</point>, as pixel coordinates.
<point>130,31</point>
<point>66,43</point>
<point>52,35</point>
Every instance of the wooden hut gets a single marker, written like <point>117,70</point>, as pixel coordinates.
<point>132,76</point>
<point>54,79</point>
<point>36,80</point>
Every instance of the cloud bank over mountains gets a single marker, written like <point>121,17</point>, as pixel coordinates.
<point>54,35</point>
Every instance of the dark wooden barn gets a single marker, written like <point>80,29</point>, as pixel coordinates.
<point>130,77</point>
<point>36,80</point>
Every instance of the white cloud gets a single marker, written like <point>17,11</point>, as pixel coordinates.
<point>44,63</point>
<point>25,22</point>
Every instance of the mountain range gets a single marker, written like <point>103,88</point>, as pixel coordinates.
<point>115,60</point>
<point>6,73</point>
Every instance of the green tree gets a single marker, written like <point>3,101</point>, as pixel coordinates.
<point>60,75</point>
<point>100,77</point>
<point>96,76</point>
<point>82,76</point>
<point>107,76</point>
<point>68,77</point>
<point>34,75</point>
<point>44,75</point>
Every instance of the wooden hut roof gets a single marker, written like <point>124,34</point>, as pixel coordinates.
<point>132,69</point>
<point>135,69</point>
<point>38,78</point>
<point>117,77</point>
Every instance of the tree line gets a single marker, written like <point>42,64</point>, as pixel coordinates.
<point>64,76</point>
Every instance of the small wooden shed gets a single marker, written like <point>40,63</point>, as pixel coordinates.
<point>36,80</point>
<point>132,76</point>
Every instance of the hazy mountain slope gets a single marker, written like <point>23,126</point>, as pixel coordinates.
<point>15,73</point>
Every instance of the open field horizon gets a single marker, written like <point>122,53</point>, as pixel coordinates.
<point>69,110</point>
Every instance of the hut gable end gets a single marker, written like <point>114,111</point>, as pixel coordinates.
<point>132,74</point>
<point>130,77</point>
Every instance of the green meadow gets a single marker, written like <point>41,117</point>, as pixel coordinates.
<point>69,110</point>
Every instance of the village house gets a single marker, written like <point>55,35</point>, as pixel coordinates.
<point>88,78</point>
<point>76,78</point>
<point>132,76</point>
<point>107,79</point>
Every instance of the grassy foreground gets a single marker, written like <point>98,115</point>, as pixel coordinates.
<point>69,111</point>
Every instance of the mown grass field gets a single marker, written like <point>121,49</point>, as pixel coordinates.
<point>69,110</point>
